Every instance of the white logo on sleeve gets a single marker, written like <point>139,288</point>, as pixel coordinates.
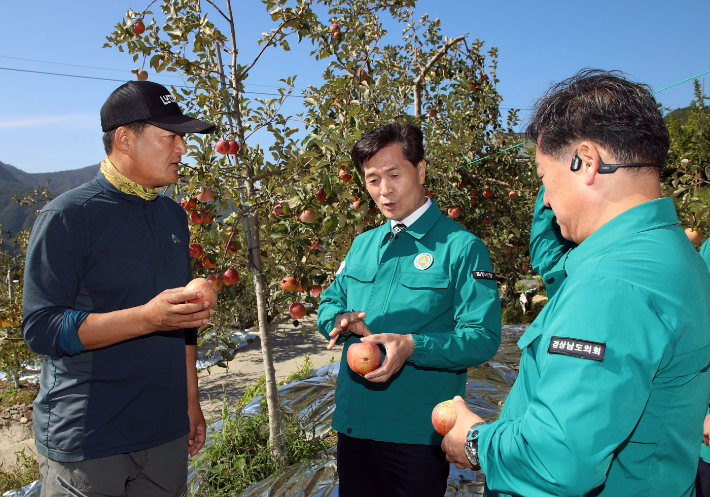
<point>340,269</point>
<point>176,239</point>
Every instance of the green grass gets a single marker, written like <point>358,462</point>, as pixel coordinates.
<point>24,472</point>
<point>10,396</point>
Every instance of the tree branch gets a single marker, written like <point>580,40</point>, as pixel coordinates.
<point>419,79</point>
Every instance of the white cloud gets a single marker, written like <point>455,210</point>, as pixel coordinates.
<point>32,121</point>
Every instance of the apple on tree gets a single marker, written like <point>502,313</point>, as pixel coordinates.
<point>364,357</point>
<point>230,277</point>
<point>195,250</point>
<point>189,205</point>
<point>297,310</point>
<point>278,210</point>
<point>344,176</point>
<point>321,195</point>
<point>288,283</point>
<point>206,195</point>
<point>138,27</point>
<point>233,147</point>
<point>216,281</point>
<point>207,262</point>
<point>694,235</point>
<point>454,212</point>
<point>141,75</point>
<point>316,290</point>
<point>513,194</point>
<point>487,193</point>
<point>222,147</point>
<point>308,216</point>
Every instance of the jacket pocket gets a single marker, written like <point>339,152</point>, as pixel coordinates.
<point>424,292</point>
<point>359,286</point>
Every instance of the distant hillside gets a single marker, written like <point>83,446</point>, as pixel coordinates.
<point>681,115</point>
<point>13,181</point>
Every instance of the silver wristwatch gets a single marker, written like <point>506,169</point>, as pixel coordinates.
<point>471,445</point>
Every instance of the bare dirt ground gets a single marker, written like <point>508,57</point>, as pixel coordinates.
<point>289,348</point>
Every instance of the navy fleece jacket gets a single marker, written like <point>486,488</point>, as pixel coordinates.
<point>95,250</point>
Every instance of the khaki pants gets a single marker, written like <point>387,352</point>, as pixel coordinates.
<point>156,472</point>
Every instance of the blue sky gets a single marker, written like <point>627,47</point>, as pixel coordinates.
<point>51,123</point>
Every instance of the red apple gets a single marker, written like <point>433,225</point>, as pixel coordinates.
<point>443,417</point>
<point>364,357</point>
<point>138,27</point>
<point>297,310</point>
<point>141,75</point>
<point>216,281</point>
<point>207,262</point>
<point>474,200</point>
<point>316,290</point>
<point>198,217</point>
<point>206,195</point>
<point>202,285</point>
<point>344,176</point>
<point>487,193</point>
<point>513,194</point>
<point>484,77</point>
<point>694,234</point>
<point>233,147</point>
<point>315,244</point>
<point>278,210</point>
<point>473,86</point>
<point>321,195</point>
<point>189,205</point>
<point>429,193</point>
<point>308,216</point>
<point>195,250</point>
<point>230,277</point>
<point>454,212</point>
<point>355,204</point>
<point>432,112</point>
<point>231,248</point>
<point>289,284</point>
<point>222,147</point>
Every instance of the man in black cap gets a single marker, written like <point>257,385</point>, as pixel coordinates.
<point>104,303</point>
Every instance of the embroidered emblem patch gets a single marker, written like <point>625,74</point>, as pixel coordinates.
<point>484,275</point>
<point>423,261</point>
<point>340,269</point>
<point>577,348</point>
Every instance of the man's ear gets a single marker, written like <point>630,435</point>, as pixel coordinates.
<point>421,171</point>
<point>589,154</point>
<point>121,140</point>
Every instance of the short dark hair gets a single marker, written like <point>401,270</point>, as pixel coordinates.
<point>370,143</point>
<point>603,107</point>
<point>137,127</point>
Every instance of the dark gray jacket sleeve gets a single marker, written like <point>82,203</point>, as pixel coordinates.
<point>53,270</point>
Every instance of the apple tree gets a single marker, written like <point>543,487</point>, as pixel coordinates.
<point>687,175</point>
<point>286,208</point>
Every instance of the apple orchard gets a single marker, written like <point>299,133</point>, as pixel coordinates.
<point>271,223</point>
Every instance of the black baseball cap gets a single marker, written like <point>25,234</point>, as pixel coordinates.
<point>149,102</point>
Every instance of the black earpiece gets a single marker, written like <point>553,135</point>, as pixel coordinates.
<point>576,162</point>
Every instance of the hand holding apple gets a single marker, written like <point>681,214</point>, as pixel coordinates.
<point>398,348</point>
<point>348,321</point>
<point>455,440</point>
<point>175,309</point>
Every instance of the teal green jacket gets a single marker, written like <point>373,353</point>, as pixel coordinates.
<point>704,449</point>
<point>613,379</point>
<point>451,308</point>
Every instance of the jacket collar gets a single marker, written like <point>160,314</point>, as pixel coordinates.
<point>643,217</point>
<point>420,227</point>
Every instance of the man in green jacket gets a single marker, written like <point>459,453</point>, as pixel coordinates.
<point>613,381</point>
<point>422,288</point>
<point>702,479</point>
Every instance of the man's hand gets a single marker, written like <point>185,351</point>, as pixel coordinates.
<point>169,310</point>
<point>454,442</point>
<point>398,348</point>
<point>198,429</point>
<point>706,431</point>
<point>348,321</point>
